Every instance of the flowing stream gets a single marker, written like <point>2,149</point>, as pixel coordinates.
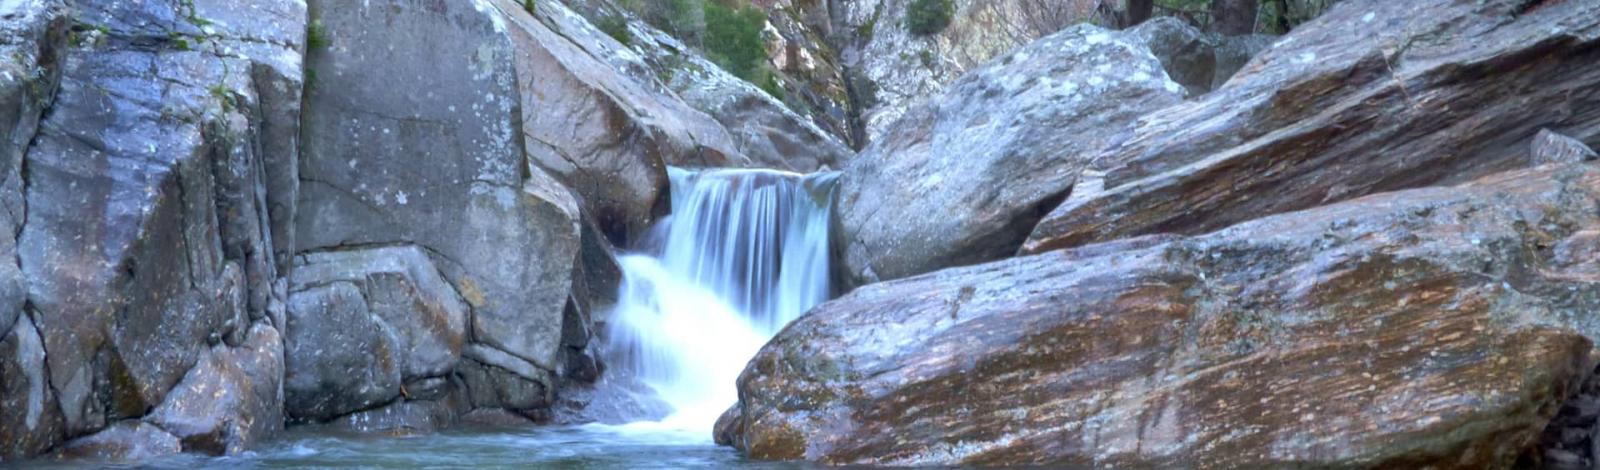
<point>744,253</point>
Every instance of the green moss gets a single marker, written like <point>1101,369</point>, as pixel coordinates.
<point>925,17</point>
<point>317,37</point>
<point>530,6</point>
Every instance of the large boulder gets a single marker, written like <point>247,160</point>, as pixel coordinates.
<point>232,400</point>
<point>434,114</point>
<point>368,327</point>
<point>763,128</point>
<point>964,176</point>
<point>144,184</point>
<point>1409,329</point>
<point>339,357</point>
<point>402,289</point>
<point>603,128</point>
<point>126,441</point>
<point>1372,96</point>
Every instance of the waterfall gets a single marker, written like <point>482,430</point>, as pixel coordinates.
<point>743,253</point>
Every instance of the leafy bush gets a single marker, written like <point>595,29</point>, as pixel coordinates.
<point>924,17</point>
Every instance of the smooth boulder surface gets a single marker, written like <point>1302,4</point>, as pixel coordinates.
<point>600,130</point>
<point>415,133</point>
<point>1424,328</point>
<point>126,441</point>
<point>1372,96</point>
<point>962,177</point>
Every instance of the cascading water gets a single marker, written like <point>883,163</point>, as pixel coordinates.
<point>744,253</point>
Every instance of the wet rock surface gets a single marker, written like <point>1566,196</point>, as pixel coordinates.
<point>1373,96</point>
<point>992,154</point>
<point>1431,327</point>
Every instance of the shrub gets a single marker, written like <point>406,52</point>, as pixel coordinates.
<point>924,17</point>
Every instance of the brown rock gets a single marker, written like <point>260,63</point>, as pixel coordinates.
<point>1407,329</point>
<point>1373,96</point>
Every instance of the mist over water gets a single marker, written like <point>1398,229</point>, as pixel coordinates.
<point>743,253</point>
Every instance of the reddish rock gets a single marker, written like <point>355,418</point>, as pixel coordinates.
<point>1376,95</point>
<point>1410,329</point>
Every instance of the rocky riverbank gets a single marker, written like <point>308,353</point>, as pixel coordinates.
<point>1372,242</point>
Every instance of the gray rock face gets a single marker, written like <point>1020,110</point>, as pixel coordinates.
<point>498,380</point>
<point>403,290</point>
<point>144,181</point>
<point>1328,115</point>
<point>599,127</point>
<point>384,164</point>
<point>339,357</point>
<point>32,35</point>
<point>232,400</point>
<point>1335,337</point>
<point>764,130</point>
<point>1188,56</point>
<point>964,176</point>
<point>129,441</point>
<point>32,423</point>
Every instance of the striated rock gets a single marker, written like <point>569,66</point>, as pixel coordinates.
<point>400,288</point>
<point>232,400</point>
<point>126,441</point>
<point>599,129</point>
<point>1408,329</point>
<point>992,154</point>
<point>338,356</point>
<point>1372,96</point>
<point>453,133</point>
<point>1550,147</point>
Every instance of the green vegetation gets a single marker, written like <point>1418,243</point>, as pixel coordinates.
<point>733,39</point>
<point>530,6</point>
<point>316,37</point>
<point>615,26</point>
<point>727,32</point>
<point>925,17</point>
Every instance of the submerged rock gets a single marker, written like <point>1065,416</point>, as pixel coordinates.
<point>1372,96</point>
<point>963,177</point>
<point>1424,328</point>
